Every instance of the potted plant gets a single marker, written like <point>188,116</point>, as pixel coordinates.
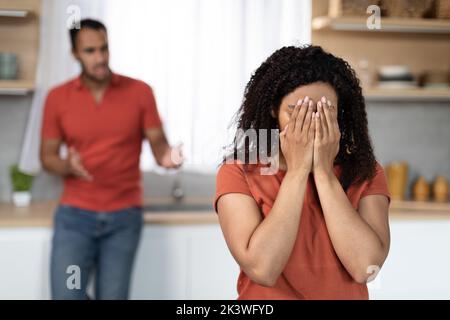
<point>21,183</point>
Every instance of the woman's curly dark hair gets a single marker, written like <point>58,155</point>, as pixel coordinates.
<point>287,69</point>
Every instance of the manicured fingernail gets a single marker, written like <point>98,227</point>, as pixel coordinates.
<point>299,101</point>
<point>324,100</point>
<point>329,103</point>
<point>319,104</point>
<point>306,99</point>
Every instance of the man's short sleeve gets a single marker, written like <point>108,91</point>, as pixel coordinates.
<point>230,179</point>
<point>150,117</point>
<point>51,123</point>
<point>378,185</point>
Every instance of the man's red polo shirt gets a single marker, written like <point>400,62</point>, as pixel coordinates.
<point>108,136</point>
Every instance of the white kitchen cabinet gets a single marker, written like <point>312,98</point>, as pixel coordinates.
<point>24,263</point>
<point>214,272</point>
<point>418,264</point>
<point>184,262</point>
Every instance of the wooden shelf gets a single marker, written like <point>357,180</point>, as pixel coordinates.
<point>416,94</point>
<point>427,206</point>
<point>419,210</point>
<point>19,34</point>
<point>420,44</point>
<point>387,25</point>
<point>16,87</point>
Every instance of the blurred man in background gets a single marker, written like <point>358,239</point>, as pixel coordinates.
<point>102,117</point>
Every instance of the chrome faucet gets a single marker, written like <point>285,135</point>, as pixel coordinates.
<point>177,190</point>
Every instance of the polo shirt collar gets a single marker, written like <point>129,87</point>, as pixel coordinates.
<point>115,80</point>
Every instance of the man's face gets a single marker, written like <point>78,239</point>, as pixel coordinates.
<point>91,50</point>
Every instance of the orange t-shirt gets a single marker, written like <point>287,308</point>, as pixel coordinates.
<point>313,270</point>
<point>108,137</point>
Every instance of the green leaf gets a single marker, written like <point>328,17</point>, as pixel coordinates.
<point>20,181</point>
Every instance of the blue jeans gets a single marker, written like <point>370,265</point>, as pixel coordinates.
<point>87,241</point>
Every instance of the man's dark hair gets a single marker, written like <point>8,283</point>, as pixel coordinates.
<point>87,24</point>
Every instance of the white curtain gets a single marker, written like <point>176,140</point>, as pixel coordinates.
<point>196,54</point>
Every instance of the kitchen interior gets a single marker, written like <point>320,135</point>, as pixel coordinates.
<point>404,69</point>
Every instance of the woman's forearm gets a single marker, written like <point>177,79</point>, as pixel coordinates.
<point>272,242</point>
<point>355,242</point>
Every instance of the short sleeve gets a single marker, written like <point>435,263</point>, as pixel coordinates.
<point>150,117</point>
<point>378,185</point>
<point>51,124</point>
<point>230,179</point>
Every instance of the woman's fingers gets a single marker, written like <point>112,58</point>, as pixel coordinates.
<point>301,115</point>
<point>318,126</point>
<point>308,118</point>
<point>328,115</point>
<point>322,119</point>
<point>293,119</point>
<point>323,122</point>
<point>312,127</point>
<point>331,117</point>
<point>283,132</point>
<point>333,111</point>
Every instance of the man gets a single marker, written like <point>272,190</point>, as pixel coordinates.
<point>102,117</point>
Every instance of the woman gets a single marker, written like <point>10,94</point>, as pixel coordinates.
<point>317,228</point>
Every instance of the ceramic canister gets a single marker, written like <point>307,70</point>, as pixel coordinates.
<point>8,66</point>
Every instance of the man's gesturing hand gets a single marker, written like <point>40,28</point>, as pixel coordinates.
<point>75,166</point>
